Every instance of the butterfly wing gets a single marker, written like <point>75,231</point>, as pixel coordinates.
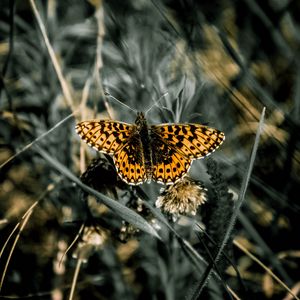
<point>129,161</point>
<point>105,135</point>
<point>190,140</point>
<point>174,146</point>
<point>168,164</point>
<point>120,140</point>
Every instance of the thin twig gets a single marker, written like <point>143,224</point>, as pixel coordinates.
<point>99,16</point>
<point>254,258</point>
<point>73,242</point>
<point>75,277</point>
<point>24,222</point>
<point>84,97</point>
<point>62,80</point>
<point>264,246</point>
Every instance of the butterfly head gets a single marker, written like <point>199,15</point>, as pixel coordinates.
<point>140,121</point>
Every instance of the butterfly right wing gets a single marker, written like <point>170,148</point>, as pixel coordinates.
<point>192,140</point>
<point>105,135</point>
<point>168,164</point>
<point>117,139</point>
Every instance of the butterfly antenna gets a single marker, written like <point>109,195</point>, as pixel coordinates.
<point>156,102</point>
<point>120,102</point>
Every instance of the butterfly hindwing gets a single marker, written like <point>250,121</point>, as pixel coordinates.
<point>191,140</point>
<point>129,162</point>
<point>168,165</point>
<point>105,135</point>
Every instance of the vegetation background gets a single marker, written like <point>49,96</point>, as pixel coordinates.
<point>221,62</point>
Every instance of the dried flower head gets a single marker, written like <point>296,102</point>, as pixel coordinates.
<point>183,197</point>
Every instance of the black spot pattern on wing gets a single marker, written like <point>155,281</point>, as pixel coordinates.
<point>129,161</point>
<point>168,165</point>
<point>163,153</point>
<point>105,136</point>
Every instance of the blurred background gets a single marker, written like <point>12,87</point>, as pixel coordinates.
<point>220,62</point>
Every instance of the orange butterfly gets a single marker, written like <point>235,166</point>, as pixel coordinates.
<point>163,153</point>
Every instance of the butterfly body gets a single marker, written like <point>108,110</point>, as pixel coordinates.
<point>163,153</point>
<point>143,134</point>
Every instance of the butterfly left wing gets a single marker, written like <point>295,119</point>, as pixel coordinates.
<point>129,161</point>
<point>105,135</point>
<point>190,140</point>
<point>120,140</point>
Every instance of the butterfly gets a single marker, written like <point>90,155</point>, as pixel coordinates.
<point>162,153</point>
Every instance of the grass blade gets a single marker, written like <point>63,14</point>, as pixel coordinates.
<point>237,207</point>
<point>124,212</point>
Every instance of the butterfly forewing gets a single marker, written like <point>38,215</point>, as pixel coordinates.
<point>105,136</point>
<point>190,140</point>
